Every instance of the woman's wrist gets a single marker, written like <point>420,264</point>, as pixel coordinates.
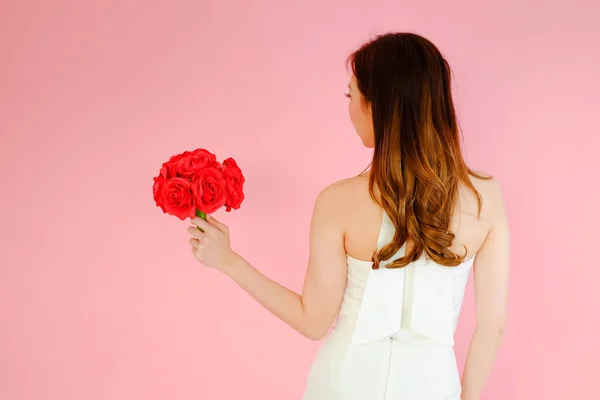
<point>230,261</point>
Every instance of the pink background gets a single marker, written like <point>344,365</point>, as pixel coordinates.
<point>100,297</point>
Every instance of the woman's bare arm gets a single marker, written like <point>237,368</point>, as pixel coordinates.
<point>491,275</point>
<point>311,313</point>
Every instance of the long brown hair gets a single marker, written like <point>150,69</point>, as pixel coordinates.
<point>417,162</point>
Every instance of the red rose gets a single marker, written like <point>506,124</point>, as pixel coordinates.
<point>157,190</point>
<point>169,168</point>
<point>234,184</point>
<point>208,187</point>
<point>177,198</point>
<point>190,163</point>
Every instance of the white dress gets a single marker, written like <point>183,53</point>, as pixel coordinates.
<point>394,334</point>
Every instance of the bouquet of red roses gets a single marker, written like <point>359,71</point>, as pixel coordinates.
<point>194,183</point>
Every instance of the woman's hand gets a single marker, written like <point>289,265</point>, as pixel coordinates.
<point>211,247</point>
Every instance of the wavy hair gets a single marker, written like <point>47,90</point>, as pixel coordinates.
<point>417,163</point>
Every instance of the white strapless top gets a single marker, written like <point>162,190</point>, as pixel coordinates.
<point>424,297</point>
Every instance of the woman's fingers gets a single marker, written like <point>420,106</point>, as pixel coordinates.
<point>222,227</point>
<point>194,242</point>
<point>195,232</point>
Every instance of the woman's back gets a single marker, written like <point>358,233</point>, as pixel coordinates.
<point>364,217</point>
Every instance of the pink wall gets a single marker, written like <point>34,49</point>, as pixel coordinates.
<point>100,297</point>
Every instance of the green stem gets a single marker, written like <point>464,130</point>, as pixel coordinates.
<point>201,215</point>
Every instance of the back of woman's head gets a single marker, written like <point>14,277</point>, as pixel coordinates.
<point>417,162</point>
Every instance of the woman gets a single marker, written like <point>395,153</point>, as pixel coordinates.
<point>391,249</point>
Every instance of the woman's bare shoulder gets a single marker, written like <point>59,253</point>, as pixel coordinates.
<point>346,184</point>
<point>348,193</point>
<point>491,195</point>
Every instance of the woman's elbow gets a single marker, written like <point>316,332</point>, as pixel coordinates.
<point>316,331</point>
<point>314,336</point>
<point>492,329</point>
